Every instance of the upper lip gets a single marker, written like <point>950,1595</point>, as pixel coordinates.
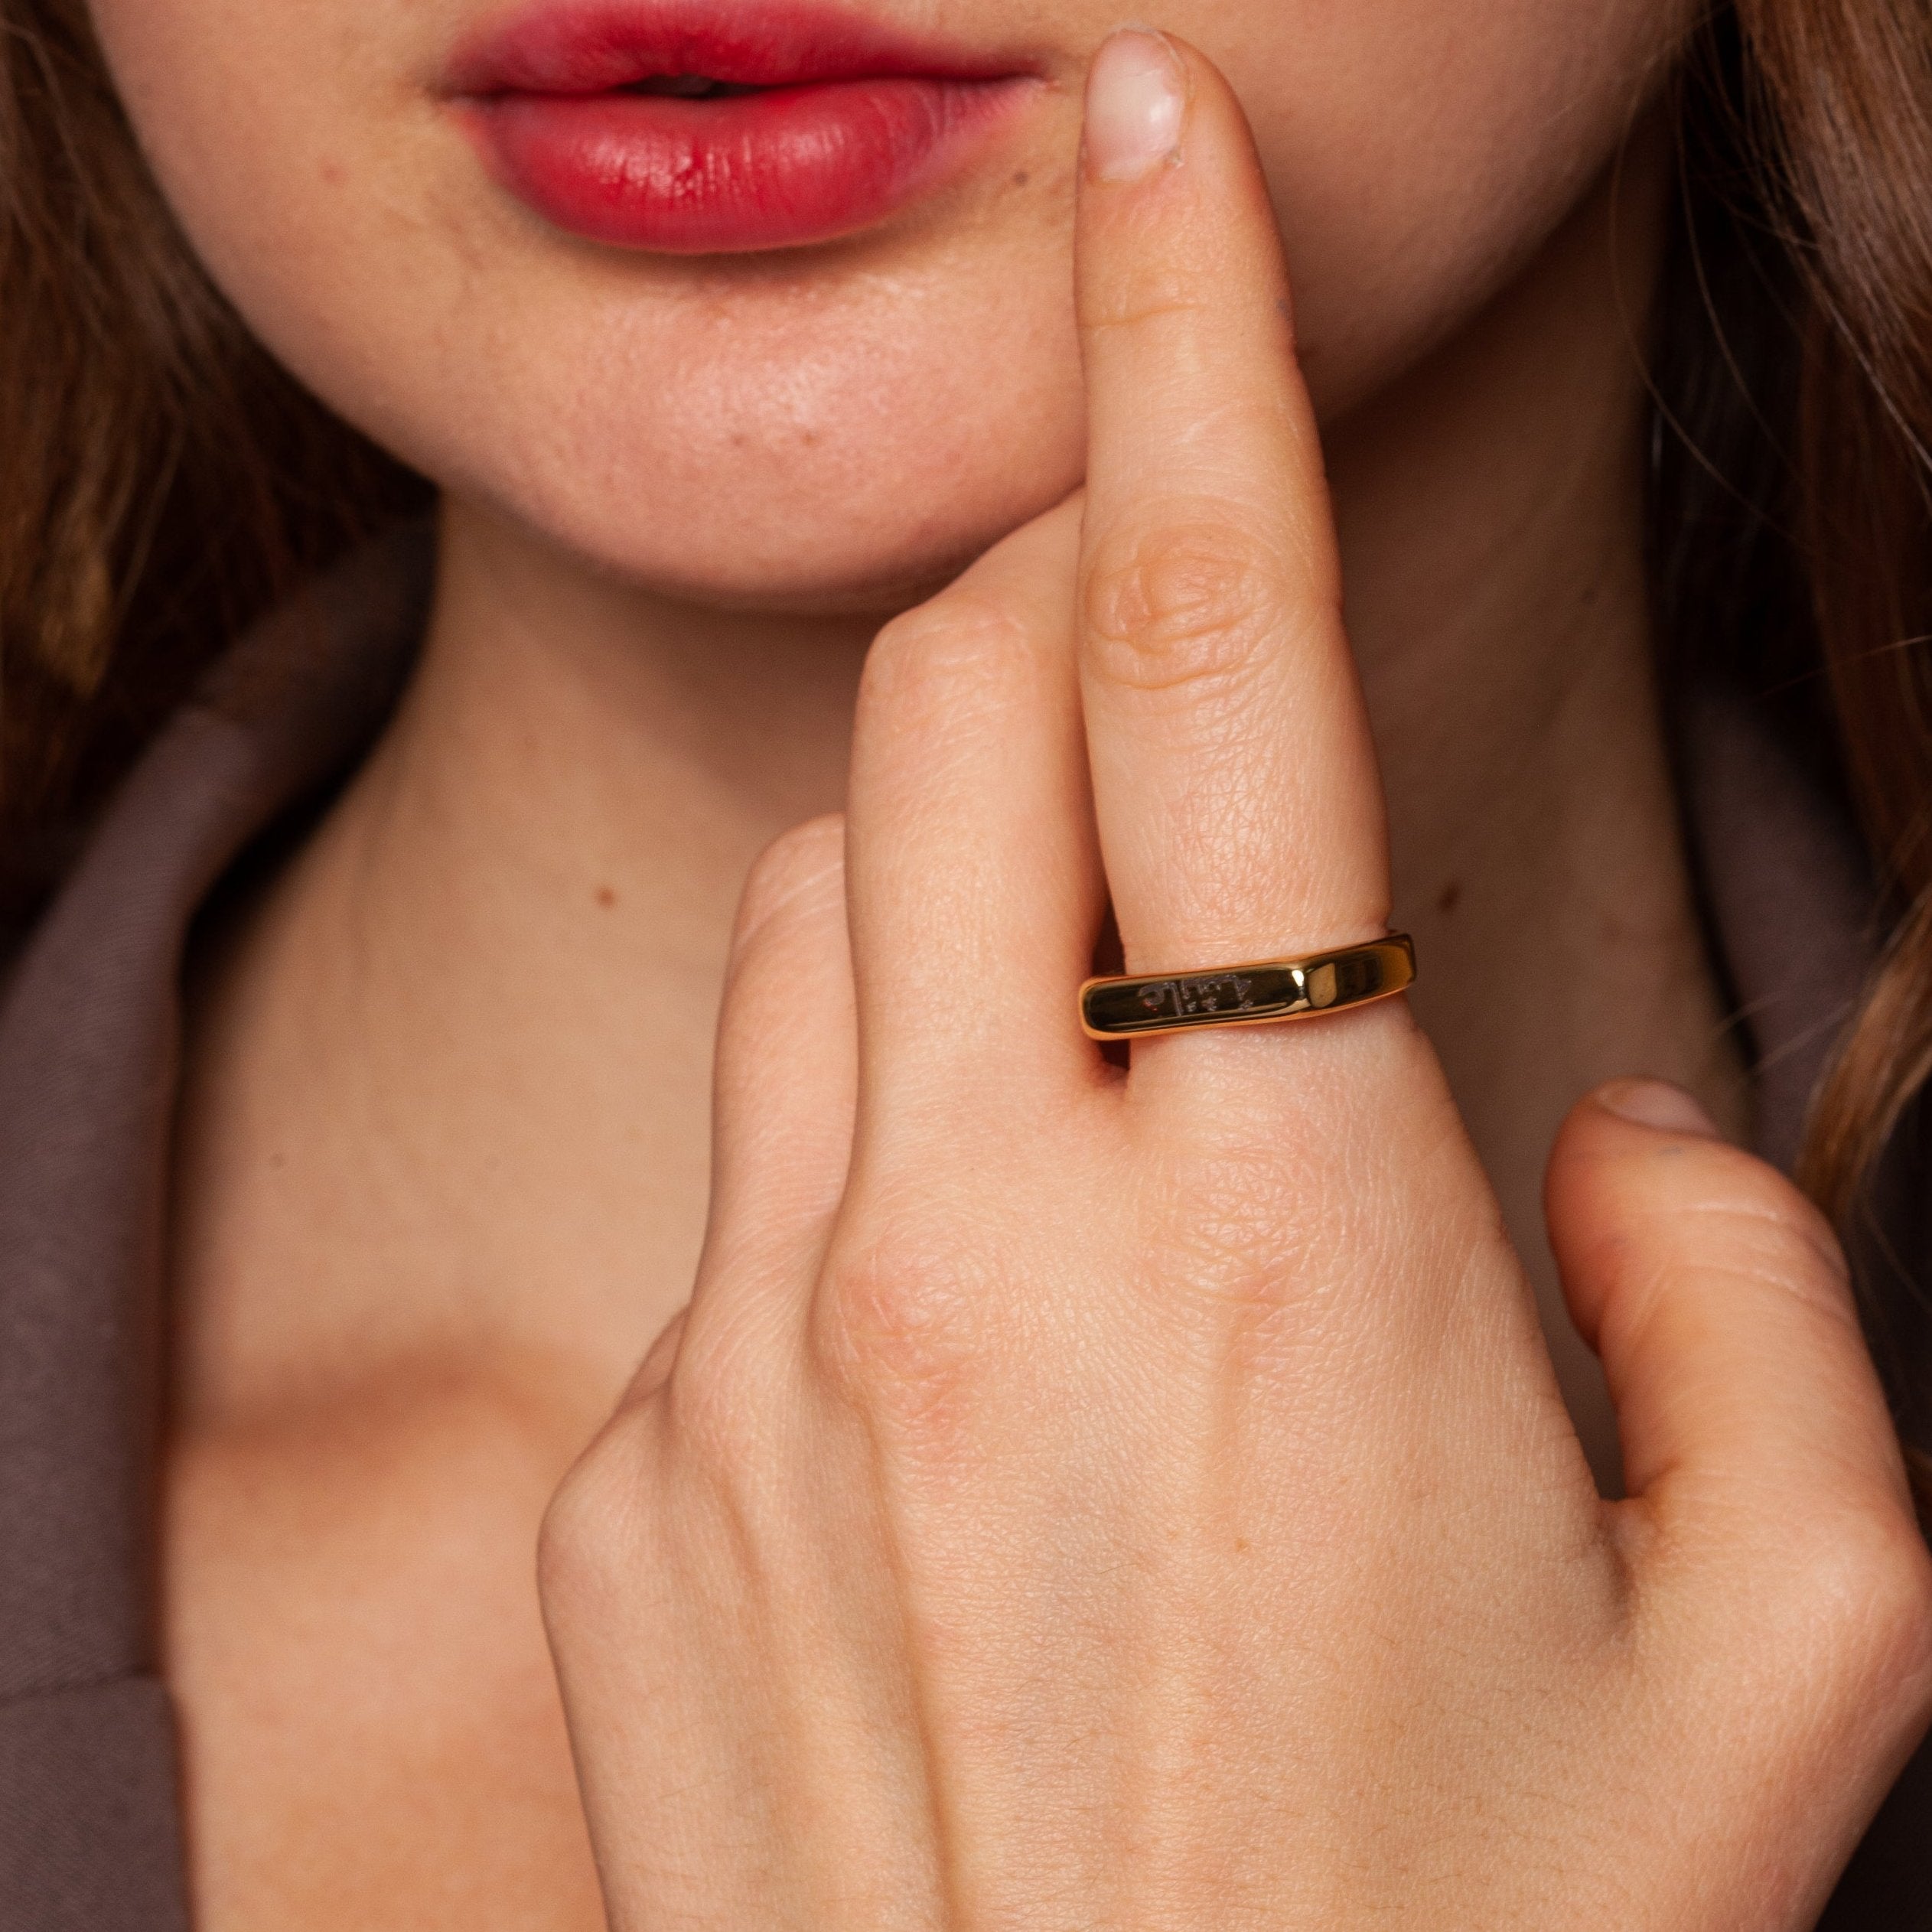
<point>588,46</point>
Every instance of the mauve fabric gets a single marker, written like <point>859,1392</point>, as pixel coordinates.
<point>89,1836</point>
<point>90,1831</point>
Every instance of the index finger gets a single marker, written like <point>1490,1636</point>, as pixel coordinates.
<point>1240,806</point>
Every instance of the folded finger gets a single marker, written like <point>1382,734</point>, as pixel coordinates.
<point>1718,1299</point>
<point>972,880</point>
<point>783,1084</point>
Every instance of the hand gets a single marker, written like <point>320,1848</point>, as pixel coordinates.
<point>1076,1497</point>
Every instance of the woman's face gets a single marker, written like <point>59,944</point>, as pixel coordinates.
<point>843,359</point>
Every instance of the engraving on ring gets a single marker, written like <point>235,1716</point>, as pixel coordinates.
<point>1181,998</point>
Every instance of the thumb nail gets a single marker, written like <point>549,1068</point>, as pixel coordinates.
<point>1656,1103</point>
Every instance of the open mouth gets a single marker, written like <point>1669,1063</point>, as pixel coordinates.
<point>693,127</point>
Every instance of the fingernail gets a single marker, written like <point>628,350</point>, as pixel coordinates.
<point>1136,100</point>
<point>1656,1103</point>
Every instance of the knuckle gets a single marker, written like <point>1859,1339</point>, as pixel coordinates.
<point>1900,1610</point>
<point>590,1535</point>
<point>1848,1596</point>
<point>1189,603</point>
<point>1878,1594</point>
<point>1741,1214</point>
<point>704,1431</point>
<point>1141,300</point>
<point>1758,1190</point>
<point>798,873</point>
<point>897,1330</point>
<point>1802,1263</point>
<point>953,650</point>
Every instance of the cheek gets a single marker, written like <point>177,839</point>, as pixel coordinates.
<point>1421,151</point>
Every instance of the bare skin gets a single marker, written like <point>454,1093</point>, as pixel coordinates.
<point>443,1166</point>
<point>525,1136</point>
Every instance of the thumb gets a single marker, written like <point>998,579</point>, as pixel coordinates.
<point>1768,1505</point>
<point>1717,1297</point>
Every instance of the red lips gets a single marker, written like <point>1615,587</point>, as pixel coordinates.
<point>691,127</point>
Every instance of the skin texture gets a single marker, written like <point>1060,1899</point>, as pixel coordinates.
<point>581,390</point>
<point>1090,1429</point>
<point>442,1170</point>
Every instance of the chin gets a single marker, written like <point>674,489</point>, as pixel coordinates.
<point>842,427</point>
<point>818,441</point>
<point>817,547</point>
<point>838,518</point>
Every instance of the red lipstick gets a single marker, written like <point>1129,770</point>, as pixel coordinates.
<point>690,127</point>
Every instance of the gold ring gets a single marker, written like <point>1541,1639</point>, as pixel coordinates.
<point>1254,994</point>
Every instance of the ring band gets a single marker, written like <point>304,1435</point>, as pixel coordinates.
<point>1255,995</point>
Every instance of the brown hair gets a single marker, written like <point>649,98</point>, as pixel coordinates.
<point>160,479</point>
<point>1850,90</point>
<point>1808,233</point>
<point>1792,504</point>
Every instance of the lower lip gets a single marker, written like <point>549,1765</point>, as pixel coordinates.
<point>780,168</point>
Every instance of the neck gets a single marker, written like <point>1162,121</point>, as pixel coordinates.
<point>479,999</point>
<point>489,980</point>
